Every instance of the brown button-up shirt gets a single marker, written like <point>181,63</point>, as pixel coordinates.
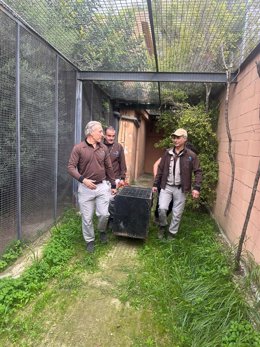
<point>92,163</point>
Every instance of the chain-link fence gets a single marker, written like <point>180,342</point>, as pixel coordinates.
<point>38,130</point>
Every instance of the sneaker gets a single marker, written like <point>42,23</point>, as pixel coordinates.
<point>171,236</point>
<point>161,233</point>
<point>110,224</point>
<point>103,237</point>
<point>156,220</point>
<point>90,247</point>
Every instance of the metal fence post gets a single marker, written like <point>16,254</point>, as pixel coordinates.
<point>56,136</point>
<point>78,124</point>
<point>18,134</point>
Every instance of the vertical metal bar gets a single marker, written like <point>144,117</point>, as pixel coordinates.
<point>149,4</point>
<point>78,111</point>
<point>245,29</point>
<point>150,10</point>
<point>56,138</point>
<point>91,101</point>
<point>18,135</point>
<point>78,124</point>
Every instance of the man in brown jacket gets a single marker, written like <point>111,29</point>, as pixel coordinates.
<point>90,164</point>
<point>174,177</point>
<point>117,155</point>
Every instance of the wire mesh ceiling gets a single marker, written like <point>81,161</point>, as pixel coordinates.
<point>146,35</point>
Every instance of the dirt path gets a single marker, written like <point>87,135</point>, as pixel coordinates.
<point>97,318</point>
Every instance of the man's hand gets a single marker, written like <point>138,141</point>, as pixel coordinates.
<point>154,189</point>
<point>120,183</point>
<point>195,194</point>
<point>113,191</point>
<point>89,183</point>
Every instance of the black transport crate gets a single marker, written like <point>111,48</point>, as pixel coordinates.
<point>132,208</point>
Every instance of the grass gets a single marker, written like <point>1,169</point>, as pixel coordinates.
<point>64,257</point>
<point>189,285</point>
<point>11,254</point>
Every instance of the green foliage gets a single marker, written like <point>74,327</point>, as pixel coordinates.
<point>242,334</point>
<point>188,283</point>
<point>92,51</point>
<point>11,254</point>
<point>174,38</point>
<point>174,96</point>
<point>66,242</point>
<point>200,134</point>
<point>16,292</point>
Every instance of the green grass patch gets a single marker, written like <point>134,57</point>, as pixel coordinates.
<point>189,285</point>
<point>56,273</point>
<point>11,254</point>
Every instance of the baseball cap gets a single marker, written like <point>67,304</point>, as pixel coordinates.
<point>180,132</point>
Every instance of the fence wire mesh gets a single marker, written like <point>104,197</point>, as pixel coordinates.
<point>66,128</point>
<point>7,132</point>
<point>37,66</point>
<point>126,35</point>
<point>96,105</point>
<point>146,36</point>
<point>37,133</point>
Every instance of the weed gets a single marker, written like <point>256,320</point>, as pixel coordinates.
<point>189,285</point>
<point>11,254</point>
<point>65,243</point>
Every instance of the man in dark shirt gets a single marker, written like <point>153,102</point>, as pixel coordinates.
<point>117,155</point>
<point>90,164</point>
<point>174,178</point>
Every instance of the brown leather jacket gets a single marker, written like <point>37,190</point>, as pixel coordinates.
<point>117,156</point>
<point>189,163</point>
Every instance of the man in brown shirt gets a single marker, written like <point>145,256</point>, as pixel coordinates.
<point>117,155</point>
<point>90,164</point>
<point>174,178</point>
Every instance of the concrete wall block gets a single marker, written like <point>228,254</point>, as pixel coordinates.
<point>254,217</point>
<point>240,147</point>
<point>243,189</point>
<point>257,200</point>
<point>257,84</point>
<point>236,123</point>
<point>233,230</point>
<point>225,181</point>
<point>249,162</point>
<point>252,241</point>
<point>225,168</point>
<point>255,116</point>
<point>247,77</point>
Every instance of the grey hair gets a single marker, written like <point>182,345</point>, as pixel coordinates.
<point>90,127</point>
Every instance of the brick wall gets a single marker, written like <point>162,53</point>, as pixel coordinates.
<point>244,120</point>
